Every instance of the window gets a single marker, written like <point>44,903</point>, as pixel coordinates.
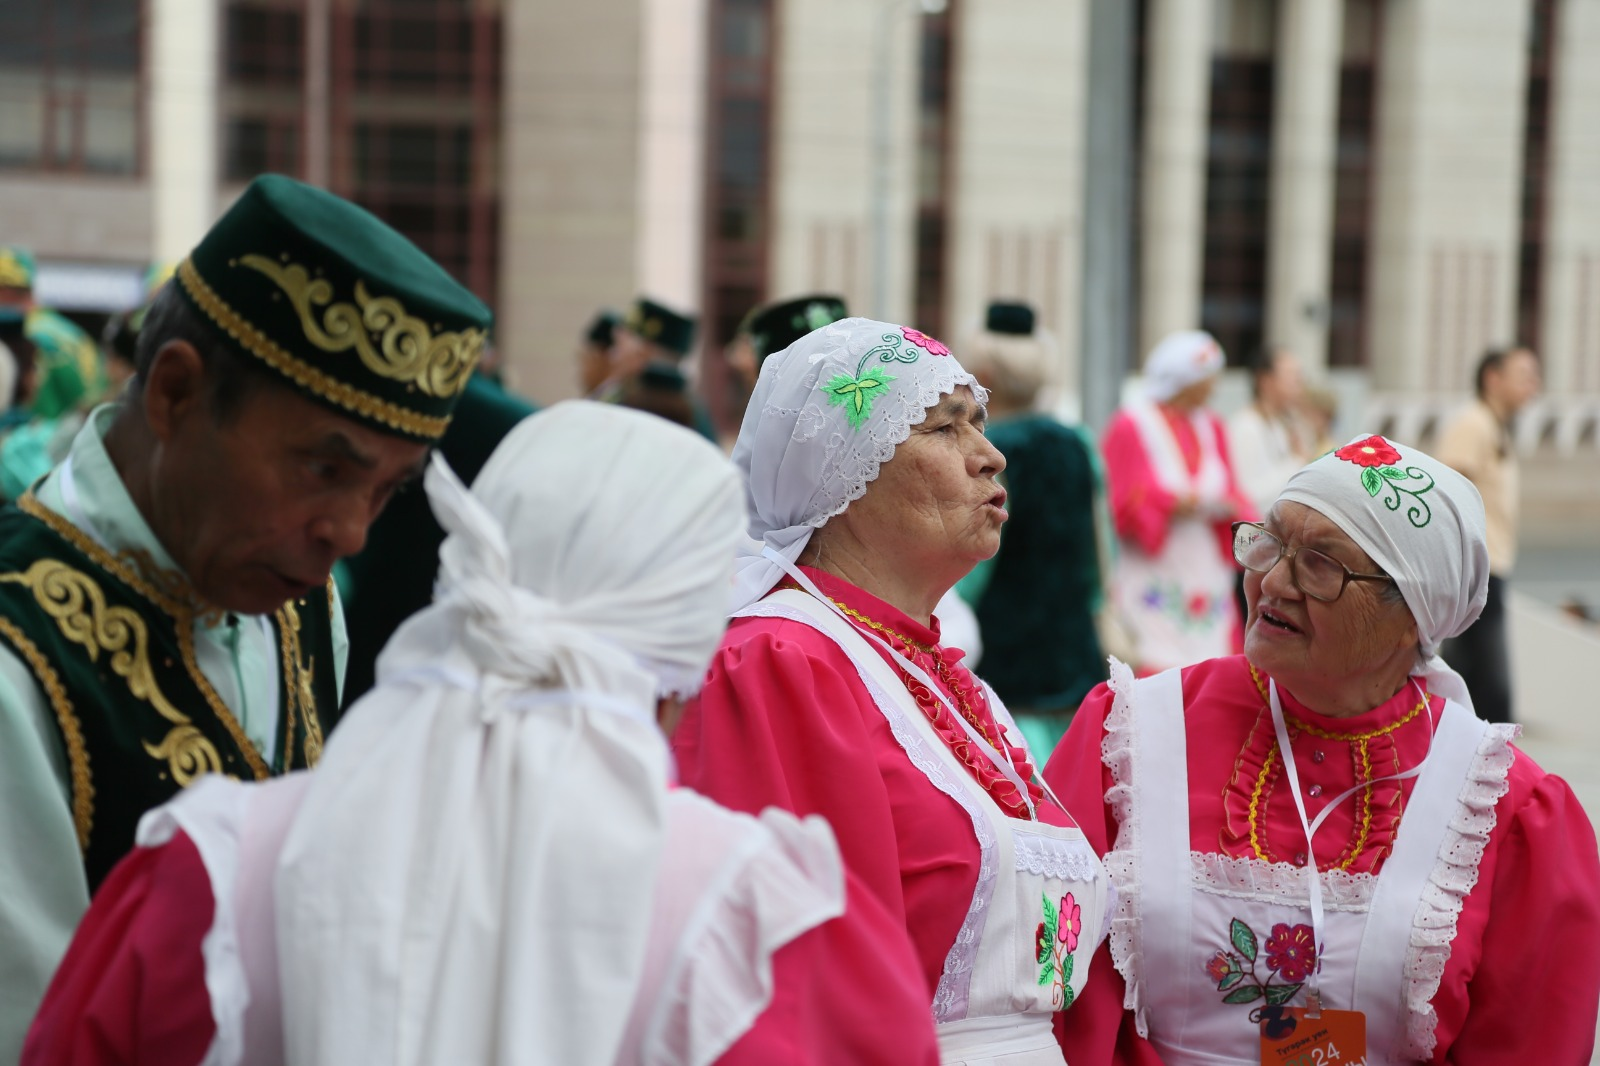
<point>70,93</point>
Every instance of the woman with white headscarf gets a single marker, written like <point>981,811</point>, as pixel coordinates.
<point>1173,495</point>
<point>488,865</point>
<point>1323,822</point>
<point>872,491</point>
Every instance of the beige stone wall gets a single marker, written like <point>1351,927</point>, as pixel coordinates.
<point>672,152</point>
<point>831,55</point>
<point>569,194</point>
<point>1448,176</point>
<point>77,218</point>
<point>184,150</point>
<point>1016,211</point>
<point>1571,312</point>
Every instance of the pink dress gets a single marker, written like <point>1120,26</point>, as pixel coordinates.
<point>1522,976</point>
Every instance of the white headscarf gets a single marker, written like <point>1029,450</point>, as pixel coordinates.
<point>1419,520</point>
<point>481,837</point>
<point>827,412</point>
<point>1180,360</point>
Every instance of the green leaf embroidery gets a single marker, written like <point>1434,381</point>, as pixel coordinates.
<point>1247,994</point>
<point>1048,974</point>
<point>1371,481</point>
<point>1229,981</point>
<point>1052,921</point>
<point>1278,995</point>
<point>1244,940</point>
<point>1066,970</point>
<point>857,394</point>
<point>1068,997</point>
<point>1393,473</point>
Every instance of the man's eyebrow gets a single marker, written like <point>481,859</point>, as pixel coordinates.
<point>338,446</point>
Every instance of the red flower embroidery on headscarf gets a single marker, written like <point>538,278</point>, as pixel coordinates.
<point>1291,951</point>
<point>922,340</point>
<point>1374,451</point>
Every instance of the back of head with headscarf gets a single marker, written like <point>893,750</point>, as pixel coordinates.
<point>1185,358</point>
<point>1419,520</point>
<point>827,412</point>
<point>469,878</point>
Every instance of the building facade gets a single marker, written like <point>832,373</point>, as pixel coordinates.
<point>1386,186</point>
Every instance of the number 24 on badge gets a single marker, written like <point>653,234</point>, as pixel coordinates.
<point>1334,1038</point>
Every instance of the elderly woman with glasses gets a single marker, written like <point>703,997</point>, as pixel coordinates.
<point>1319,850</point>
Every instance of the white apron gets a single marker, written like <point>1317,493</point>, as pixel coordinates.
<point>1179,603</point>
<point>1187,919</point>
<point>999,990</point>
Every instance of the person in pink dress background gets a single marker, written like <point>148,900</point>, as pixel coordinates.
<point>490,865</point>
<point>1457,885</point>
<point>872,490</point>
<point>1173,495</point>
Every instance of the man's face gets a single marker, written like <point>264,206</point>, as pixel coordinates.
<point>257,508</point>
<point>1516,383</point>
<point>630,353</point>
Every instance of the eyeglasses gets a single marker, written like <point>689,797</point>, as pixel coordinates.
<point>1312,572</point>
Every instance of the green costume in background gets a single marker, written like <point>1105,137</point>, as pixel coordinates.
<point>392,578</point>
<point>1040,593</point>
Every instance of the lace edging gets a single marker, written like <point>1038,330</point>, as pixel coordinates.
<point>1049,857</point>
<point>1121,862</point>
<point>950,998</point>
<point>1280,882</point>
<point>1455,872</point>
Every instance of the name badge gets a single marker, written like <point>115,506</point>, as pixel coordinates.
<point>1333,1038</point>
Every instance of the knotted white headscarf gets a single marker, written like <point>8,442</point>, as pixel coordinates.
<point>482,834</point>
<point>1180,360</point>
<point>827,412</point>
<point>1419,520</point>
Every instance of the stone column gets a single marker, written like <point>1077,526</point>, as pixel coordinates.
<point>183,70</point>
<point>570,200</point>
<point>1305,129</point>
<point>1442,285</point>
<point>832,55</point>
<point>1017,191</point>
<point>672,152</point>
<point>1570,322</point>
<point>1177,103</point>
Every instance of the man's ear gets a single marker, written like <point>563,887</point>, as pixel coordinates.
<point>174,388</point>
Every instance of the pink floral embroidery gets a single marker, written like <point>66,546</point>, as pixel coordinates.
<point>1291,954</point>
<point>1071,925</point>
<point>1219,967</point>
<point>1291,951</point>
<point>922,340</point>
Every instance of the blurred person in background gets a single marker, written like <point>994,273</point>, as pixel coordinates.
<point>652,335</point>
<point>594,352</point>
<point>1173,498</point>
<point>1319,411</point>
<point>1479,444</point>
<point>771,328</point>
<point>1266,438</point>
<point>1037,597</point>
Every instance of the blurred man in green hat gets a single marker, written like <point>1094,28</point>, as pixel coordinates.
<point>165,606</point>
<point>654,336</point>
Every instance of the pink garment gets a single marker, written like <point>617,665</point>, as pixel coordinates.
<point>1523,977</point>
<point>1141,508</point>
<point>783,720</point>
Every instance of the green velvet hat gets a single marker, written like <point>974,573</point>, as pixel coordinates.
<point>350,312</point>
<point>1011,318</point>
<point>661,325</point>
<point>776,326</point>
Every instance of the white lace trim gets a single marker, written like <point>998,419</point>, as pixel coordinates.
<point>1279,882</point>
<point>1067,860</point>
<point>1122,861</point>
<point>1455,872</point>
<point>950,998</point>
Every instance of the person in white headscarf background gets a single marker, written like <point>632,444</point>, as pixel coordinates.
<point>1173,495</point>
<point>1324,817</point>
<point>489,865</point>
<point>872,491</point>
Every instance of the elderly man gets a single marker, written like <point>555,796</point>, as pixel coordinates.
<point>165,608</point>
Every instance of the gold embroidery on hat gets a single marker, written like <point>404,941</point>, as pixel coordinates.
<point>297,370</point>
<point>407,350</point>
<point>79,608</point>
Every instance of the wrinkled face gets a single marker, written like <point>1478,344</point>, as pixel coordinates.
<point>1517,382</point>
<point>256,508</point>
<point>1307,644</point>
<point>935,506</point>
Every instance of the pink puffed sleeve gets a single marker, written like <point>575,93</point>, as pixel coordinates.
<point>778,725</point>
<point>1096,1028</point>
<point>131,989</point>
<point>1141,509</point>
<point>1523,980</point>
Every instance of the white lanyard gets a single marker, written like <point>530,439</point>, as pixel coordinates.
<point>1002,762</point>
<point>1314,883</point>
